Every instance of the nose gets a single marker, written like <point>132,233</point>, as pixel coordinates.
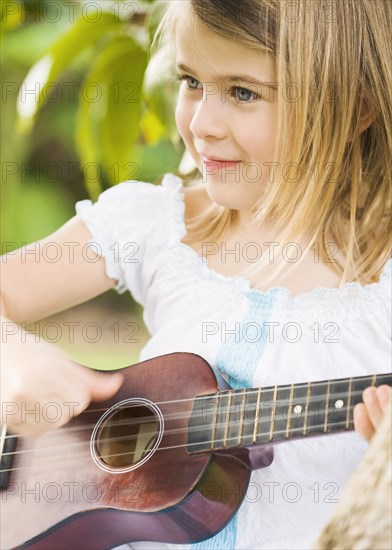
<point>209,119</point>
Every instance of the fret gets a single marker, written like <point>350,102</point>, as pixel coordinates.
<point>265,414</point>
<point>227,419</point>
<point>214,421</point>
<point>273,413</point>
<point>357,387</point>
<point>290,408</point>
<point>221,420</point>
<point>243,403</point>
<point>327,406</point>
<point>337,411</point>
<point>297,410</point>
<point>249,416</point>
<point>257,416</point>
<point>317,416</point>
<point>234,422</point>
<point>307,407</point>
<point>350,383</point>
<point>282,406</point>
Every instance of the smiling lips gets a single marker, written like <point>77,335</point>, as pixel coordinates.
<point>218,164</point>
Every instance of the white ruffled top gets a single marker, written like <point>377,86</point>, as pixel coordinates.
<point>255,338</point>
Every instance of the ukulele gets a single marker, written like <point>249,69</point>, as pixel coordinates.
<point>167,459</point>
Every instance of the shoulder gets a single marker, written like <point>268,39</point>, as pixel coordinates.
<point>133,224</point>
<point>127,193</point>
<point>155,212</point>
<point>132,200</point>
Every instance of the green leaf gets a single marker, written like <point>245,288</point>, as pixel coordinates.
<point>85,32</point>
<point>88,148</point>
<point>109,127</point>
<point>122,65</point>
<point>26,44</point>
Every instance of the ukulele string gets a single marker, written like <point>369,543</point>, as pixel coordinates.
<point>227,410</point>
<point>367,380</point>
<point>108,440</point>
<point>235,438</point>
<point>233,409</point>
<point>212,397</point>
<point>86,444</point>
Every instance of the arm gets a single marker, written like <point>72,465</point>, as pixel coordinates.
<point>37,372</point>
<point>33,286</point>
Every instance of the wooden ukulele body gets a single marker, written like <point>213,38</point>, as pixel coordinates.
<point>58,497</point>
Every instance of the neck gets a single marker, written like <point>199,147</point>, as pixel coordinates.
<point>256,416</point>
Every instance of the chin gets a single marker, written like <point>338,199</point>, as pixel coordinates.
<point>230,195</point>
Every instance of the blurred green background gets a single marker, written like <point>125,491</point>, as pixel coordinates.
<point>84,106</point>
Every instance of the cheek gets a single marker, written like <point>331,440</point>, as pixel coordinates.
<point>183,119</point>
<point>259,138</point>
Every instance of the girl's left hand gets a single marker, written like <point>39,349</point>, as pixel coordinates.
<point>369,414</point>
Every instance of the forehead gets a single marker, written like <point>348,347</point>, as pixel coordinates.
<point>204,50</point>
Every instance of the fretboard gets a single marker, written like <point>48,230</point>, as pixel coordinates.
<point>257,416</point>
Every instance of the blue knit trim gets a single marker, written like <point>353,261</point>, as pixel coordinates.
<point>238,358</point>
<point>224,540</point>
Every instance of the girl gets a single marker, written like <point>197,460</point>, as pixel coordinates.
<point>285,108</point>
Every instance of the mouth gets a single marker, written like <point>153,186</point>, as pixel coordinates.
<point>219,163</point>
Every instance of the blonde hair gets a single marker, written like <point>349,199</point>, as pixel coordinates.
<point>337,136</point>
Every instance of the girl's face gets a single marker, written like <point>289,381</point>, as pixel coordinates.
<point>227,111</point>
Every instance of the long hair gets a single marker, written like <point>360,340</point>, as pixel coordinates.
<point>334,135</point>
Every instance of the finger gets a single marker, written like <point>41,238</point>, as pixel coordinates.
<point>384,394</point>
<point>104,386</point>
<point>362,422</point>
<point>373,406</point>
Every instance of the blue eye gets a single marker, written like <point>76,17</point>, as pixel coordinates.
<point>189,80</point>
<point>243,95</point>
<point>189,83</point>
<point>240,95</point>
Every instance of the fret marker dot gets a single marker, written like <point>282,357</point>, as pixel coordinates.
<point>339,404</point>
<point>297,409</point>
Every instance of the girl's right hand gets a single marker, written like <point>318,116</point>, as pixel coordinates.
<point>42,388</point>
<point>38,376</point>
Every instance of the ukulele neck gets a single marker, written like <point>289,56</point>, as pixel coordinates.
<point>256,416</point>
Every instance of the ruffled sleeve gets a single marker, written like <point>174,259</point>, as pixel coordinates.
<point>132,225</point>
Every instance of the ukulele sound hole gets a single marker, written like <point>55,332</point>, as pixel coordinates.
<point>127,436</point>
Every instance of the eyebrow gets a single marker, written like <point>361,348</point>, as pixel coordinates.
<point>228,78</point>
